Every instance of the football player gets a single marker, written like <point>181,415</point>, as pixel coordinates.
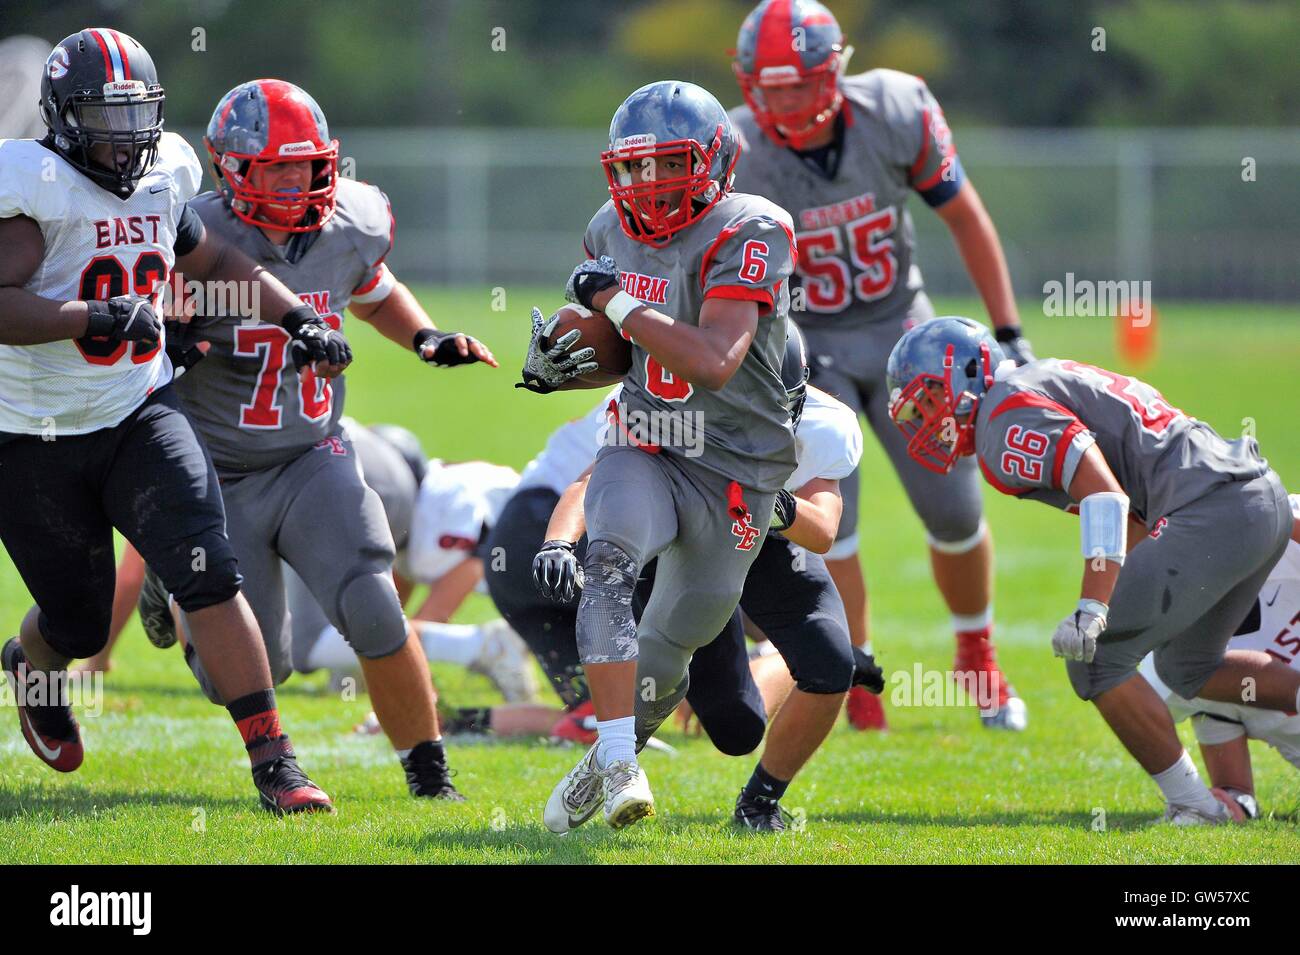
<point>707,333</point>
<point>788,595</point>
<point>842,154</point>
<point>1272,627</point>
<point>1211,517</point>
<point>290,479</point>
<point>93,218</point>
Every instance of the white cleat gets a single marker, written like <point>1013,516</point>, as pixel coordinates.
<point>627,794</point>
<point>1013,716</point>
<point>576,797</point>
<point>507,662</point>
<point>1193,816</point>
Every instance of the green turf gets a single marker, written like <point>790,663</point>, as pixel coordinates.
<point>165,779</point>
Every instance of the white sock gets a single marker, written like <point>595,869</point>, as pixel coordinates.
<point>331,652</point>
<point>968,623</point>
<point>450,642</point>
<point>617,740</point>
<point>1182,785</point>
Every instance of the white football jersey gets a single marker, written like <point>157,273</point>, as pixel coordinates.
<point>828,441</point>
<point>453,506</point>
<point>570,449</point>
<point>1278,635</point>
<point>96,246</point>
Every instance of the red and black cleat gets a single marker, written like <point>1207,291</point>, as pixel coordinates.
<point>976,671</point>
<point>578,725</point>
<point>284,787</point>
<point>43,712</point>
<point>865,710</point>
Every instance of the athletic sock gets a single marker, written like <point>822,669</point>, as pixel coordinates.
<point>616,741</point>
<point>763,785</point>
<point>258,722</point>
<point>976,625</point>
<point>1182,786</point>
<point>450,642</point>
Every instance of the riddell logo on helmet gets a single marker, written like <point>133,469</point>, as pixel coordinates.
<point>297,149</point>
<point>124,88</point>
<point>639,141</point>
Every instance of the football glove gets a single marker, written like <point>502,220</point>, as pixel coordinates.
<point>183,355</point>
<point>557,573</point>
<point>445,354</point>
<point>546,370</point>
<point>314,340</point>
<point>783,510</point>
<point>867,673</point>
<point>1076,636</point>
<point>123,318</point>
<point>1014,344</point>
<point>592,276</point>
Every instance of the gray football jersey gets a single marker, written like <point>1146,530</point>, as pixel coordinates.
<point>856,242</point>
<point>742,249</point>
<point>1036,422</point>
<point>245,397</point>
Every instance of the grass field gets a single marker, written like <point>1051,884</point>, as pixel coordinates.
<point>165,779</point>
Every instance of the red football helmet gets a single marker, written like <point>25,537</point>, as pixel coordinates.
<point>784,43</point>
<point>262,123</point>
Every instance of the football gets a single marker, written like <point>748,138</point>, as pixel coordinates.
<point>613,351</point>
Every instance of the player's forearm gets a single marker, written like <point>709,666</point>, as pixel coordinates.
<point>697,355</point>
<point>27,319</point>
<point>569,519</point>
<point>218,261</point>
<point>816,521</point>
<point>981,251</point>
<point>397,317</point>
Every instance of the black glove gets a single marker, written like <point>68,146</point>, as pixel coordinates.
<point>124,318</point>
<point>313,339</point>
<point>590,277</point>
<point>557,573</point>
<point>866,672</point>
<point>783,511</point>
<point>183,355</point>
<point>1014,344</point>
<point>445,353</point>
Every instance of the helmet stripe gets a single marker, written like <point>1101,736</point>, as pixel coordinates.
<point>776,37</point>
<point>121,50</point>
<point>103,48</point>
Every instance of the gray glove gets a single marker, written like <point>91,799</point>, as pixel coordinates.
<point>592,276</point>
<point>544,371</point>
<point>1076,636</point>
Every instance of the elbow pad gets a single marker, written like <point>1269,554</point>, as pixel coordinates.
<point>1103,523</point>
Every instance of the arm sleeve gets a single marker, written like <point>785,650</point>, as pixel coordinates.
<point>935,171</point>
<point>749,261</point>
<point>189,233</point>
<point>1030,442</point>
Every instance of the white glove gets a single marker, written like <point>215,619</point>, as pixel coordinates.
<point>1076,636</point>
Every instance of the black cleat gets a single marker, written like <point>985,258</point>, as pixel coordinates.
<point>759,813</point>
<point>427,774</point>
<point>43,712</point>
<point>284,788</point>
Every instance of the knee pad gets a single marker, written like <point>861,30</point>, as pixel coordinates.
<point>948,534</point>
<point>206,577</point>
<point>606,625</point>
<point>79,632</point>
<point>1183,677</point>
<point>371,614</point>
<point>829,668</point>
<point>734,730</point>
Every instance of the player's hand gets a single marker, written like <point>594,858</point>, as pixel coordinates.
<point>546,370</point>
<point>783,510</point>
<point>183,355</point>
<point>315,343</point>
<point>1014,344</point>
<point>445,349</point>
<point>123,318</point>
<point>866,672</point>
<point>1076,636</point>
<point>557,573</point>
<point>592,276</point>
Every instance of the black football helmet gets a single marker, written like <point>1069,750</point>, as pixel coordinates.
<point>794,373</point>
<point>100,88</point>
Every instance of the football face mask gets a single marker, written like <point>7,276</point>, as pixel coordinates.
<point>660,188</point>
<point>791,105</point>
<point>283,210</point>
<point>939,425</point>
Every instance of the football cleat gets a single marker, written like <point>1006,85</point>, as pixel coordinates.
<point>627,794</point>
<point>976,671</point>
<point>427,774</point>
<point>506,661</point>
<point>865,710</point>
<point>576,797</point>
<point>49,727</point>
<point>578,726</point>
<point>1241,806</point>
<point>759,813</point>
<point>1194,816</point>
<point>156,612</point>
<point>284,788</point>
